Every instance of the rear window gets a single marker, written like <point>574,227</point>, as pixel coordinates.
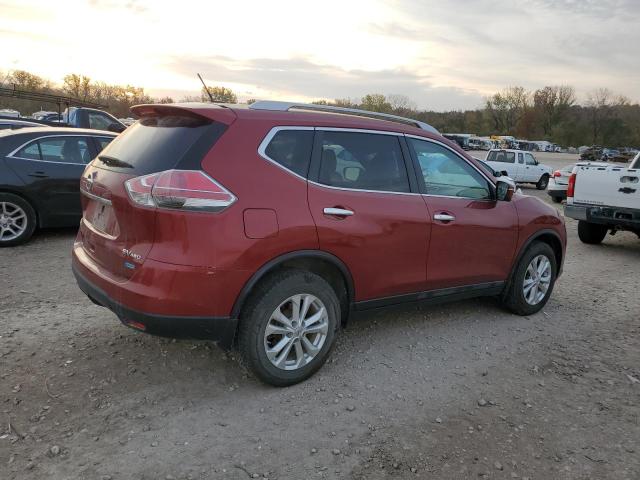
<point>504,157</point>
<point>159,143</point>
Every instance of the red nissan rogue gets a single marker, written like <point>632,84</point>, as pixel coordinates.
<point>265,228</point>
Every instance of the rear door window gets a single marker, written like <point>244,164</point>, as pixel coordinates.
<point>363,161</point>
<point>291,149</point>
<point>31,152</point>
<point>63,149</point>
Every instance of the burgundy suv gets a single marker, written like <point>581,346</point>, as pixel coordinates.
<point>266,227</point>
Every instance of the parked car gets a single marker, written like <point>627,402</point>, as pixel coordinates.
<point>521,166</point>
<point>266,227</point>
<point>559,182</point>
<point>83,117</point>
<point>604,198</point>
<point>16,124</point>
<point>40,171</point>
<point>608,154</point>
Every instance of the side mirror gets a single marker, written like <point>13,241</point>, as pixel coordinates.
<point>351,173</point>
<point>504,173</point>
<point>504,191</point>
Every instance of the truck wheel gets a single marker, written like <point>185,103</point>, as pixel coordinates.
<point>17,220</point>
<point>533,280</point>
<point>288,327</point>
<point>556,199</point>
<point>591,233</point>
<point>543,182</point>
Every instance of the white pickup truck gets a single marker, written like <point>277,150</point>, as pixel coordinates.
<point>520,166</point>
<point>604,198</point>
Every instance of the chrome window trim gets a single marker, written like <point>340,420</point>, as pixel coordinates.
<point>12,153</point>
<point>361,190</point>
<point>461,158</point>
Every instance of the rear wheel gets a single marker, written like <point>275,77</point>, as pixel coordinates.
<point>556,199</point>
<point>591,233</point>
<point>288,327</point>
<point>17,220</point>
<point>543,182</point>
<point>533,280</point>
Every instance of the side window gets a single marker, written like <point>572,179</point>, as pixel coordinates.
<point>99,121</point>
<point>292,150</point>
<point>529,159</point>
<point>103,142</point>
<point>520,158</point>
<point>65,149</point>
<point>363,161</point>
<point>446,174</point>
<point>501,156</point>
<point>31,151</point>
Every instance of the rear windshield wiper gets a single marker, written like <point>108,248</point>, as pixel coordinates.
<point>114,162</point>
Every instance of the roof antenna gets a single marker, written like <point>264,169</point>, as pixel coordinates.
<point>205,88</point>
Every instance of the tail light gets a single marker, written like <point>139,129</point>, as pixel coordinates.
<point>572,185</point>
<point>557,173</point>
<point>191,190</point>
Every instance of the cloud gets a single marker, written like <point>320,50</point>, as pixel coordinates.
<point>300,76</point>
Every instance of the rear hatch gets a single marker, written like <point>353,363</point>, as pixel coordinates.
<point>118,232</point>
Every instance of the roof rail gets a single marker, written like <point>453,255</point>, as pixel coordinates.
<point>286,106</point>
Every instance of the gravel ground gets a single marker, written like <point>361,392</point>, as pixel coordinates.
<point>457,391</point>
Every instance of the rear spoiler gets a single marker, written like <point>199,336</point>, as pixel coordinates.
<point>210,111</point>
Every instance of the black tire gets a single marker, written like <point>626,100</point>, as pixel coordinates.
<point>514,298</point>
<point>543,182</point>
<point>255,316</point>
<point>14,200</point>
<point>556,199</point>
<point>591,233</point>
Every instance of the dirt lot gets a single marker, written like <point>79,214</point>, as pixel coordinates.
<point>457,391</point>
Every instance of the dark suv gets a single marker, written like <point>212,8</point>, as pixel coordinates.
<point>266,227</point>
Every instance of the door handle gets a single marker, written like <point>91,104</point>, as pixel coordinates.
<point>444,217</point>
<point>338,212</point>
<point>39,175</point>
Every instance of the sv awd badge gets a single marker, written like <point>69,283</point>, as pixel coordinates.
<point>128,253</point>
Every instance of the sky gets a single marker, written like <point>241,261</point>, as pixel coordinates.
<point>443,55</point>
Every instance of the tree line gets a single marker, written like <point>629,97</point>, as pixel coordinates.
<point>550,113</point>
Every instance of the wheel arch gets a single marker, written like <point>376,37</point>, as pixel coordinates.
<point>548,236</point>
<point>323,263</point>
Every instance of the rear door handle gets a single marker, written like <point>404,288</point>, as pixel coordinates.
<point>444,217</point>
<point>338,212</point>
<point>39,175</point>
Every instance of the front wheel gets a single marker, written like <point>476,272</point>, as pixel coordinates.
<point>289,326</point>
<point>591,233</point>
<point>543,182</point>
<point>533,280</point>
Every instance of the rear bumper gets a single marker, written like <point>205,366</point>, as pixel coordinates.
<point>219,329</point>
<point>628,218</point>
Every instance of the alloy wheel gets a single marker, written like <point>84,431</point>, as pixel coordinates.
<point>13,221</point>
<point>537,279</point>
<point>296,331</point>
